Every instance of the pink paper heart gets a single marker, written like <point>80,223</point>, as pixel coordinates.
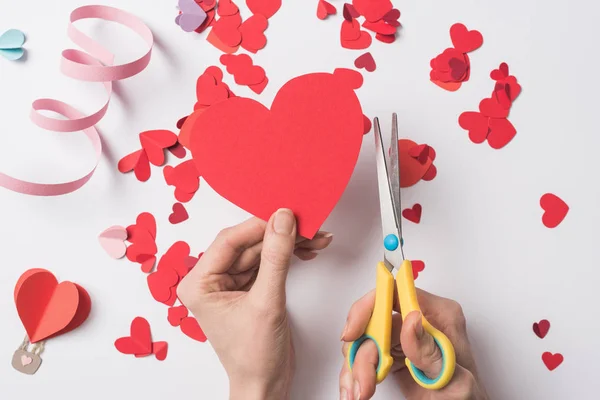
<point>112,241</point>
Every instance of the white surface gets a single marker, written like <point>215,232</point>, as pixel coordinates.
<point>481,234</point>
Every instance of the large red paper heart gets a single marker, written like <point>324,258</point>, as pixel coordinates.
<point>465,40</point>
<point>476,124</point>
<point>552,361</point>
<point>541,328</point>
<point>140,340</point>
<point>47,308</point>
<point>300,154</point>
<point>555,210</point>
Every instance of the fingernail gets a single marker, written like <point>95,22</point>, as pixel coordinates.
<point>325,234</point>
<point>344,332</point>
<point>419,331</point>
<point>343,394</point>
<point>356,390</point>
<point>284,221</point>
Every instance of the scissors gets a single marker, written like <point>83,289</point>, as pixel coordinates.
<point>379,328</point>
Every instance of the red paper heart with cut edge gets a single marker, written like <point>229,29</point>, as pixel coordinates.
<point>147,262</point>
<point>555,210</point>
<point>501,132</point>
<point>209,91</point>
<point>541,328</point>
<point>136,162</point>
<point>413,214</point>
<point>161,283</point>
<point>465,40</point>
<point>154,144</point>
<point>142,244</point>
<point>363,42</point>
<point>139,342</point>
<point>179,214</point>
<point>552,361</point>
<point>491,108</point>
<point>476,124</point>
<point>373,10</point>
<point>160,350</point>
<point>412,170</point>
<point>267,8</point>
<point>324,9</point>
<point>323,124</point>
<point>366,61</point>
<point>226,29</point>
<point>190,327</point>
<point>184,176</point>
<point>176,315</point>
<point>253,33</point>
<point>350,30</point>
<point>47,308</point>
<point>417,266</point>
<point>144,221</point>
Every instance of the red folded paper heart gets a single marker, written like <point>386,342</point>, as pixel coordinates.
<point>476,124</point>
<point>417,266</point>
<point>226,29</point>
<point>373,10</point>
<point>176,259</point>
<point>267,8</point>
<point>136,162</point>
<point>412,170</point>
<point>465,40</point>
<point>176,315</point>
<point>300,154</point>
<point>501,132</point>
<point>353,38</point>
<point>155,143</point>
<point>324,9</point>
<point>380,27</point>
<point>162,284</point>
<point>139,342</point>
<point>501,73</point>
<point>491,108</point>
<point>541,328</point>
<point>227,8</point>
<point>160,350</point>
<point>555,210</point>
<point>142,243</point>
<point>179,214</point>
<point>350,12</point>
<point>47,308</point>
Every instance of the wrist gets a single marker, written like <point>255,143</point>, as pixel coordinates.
<point>255,390</point>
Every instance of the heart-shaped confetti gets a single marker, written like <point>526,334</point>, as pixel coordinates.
<point>552,361</point>
<point>112,241</point>
<point>179,214</point>
<point>366,61</point>
<point>413,214</point>
<point>253,33</point>
<point>555,210</point>
<point>541,328</point>
<point>324,9</point>
<point>465,40</point>
<point>139,342</point>
<point>417,266</point>
<point>176,314</point>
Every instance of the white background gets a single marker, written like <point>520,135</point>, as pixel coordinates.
<point>481,235</point>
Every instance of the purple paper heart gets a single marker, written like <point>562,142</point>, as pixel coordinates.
<point>191,17</point>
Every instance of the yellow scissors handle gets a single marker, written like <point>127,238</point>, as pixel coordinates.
<point>379,328</point>
<point>407,295</point>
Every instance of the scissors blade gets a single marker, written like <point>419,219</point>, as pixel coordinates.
<point>394,174</point>
<point>389,217</point>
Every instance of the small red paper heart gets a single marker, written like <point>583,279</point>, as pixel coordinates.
<point>501,73</point>
<point>190,327</point>
<point>417,266</point>
<point>160,350</point>
<point>267,8</point>
<point>324,9</point>
<point>373,10</point>
<point>465,40</point>
<point>147,262</point>
<point>413,214</point>
<point>140,340</point>
<point>422,153</point>
<point>209,91</point>
<point>176,314</point>
<point>502,95</point>
<point>552,361</point>
<point>430,174</point>
<point>259,87</point>
<point>491,108</point>
<point>227,8</point>
<point>380,27</point>
<point>252,31</point>
<point>412,169</point>
<point>142,244</point>
<point>161,284</point>
<point>144,221</point>
<point>350,30</point>
<point>541,328</point>
<point>155,142</point>
<point>501,132</point>
<point>386,38</point>
<point>176,259</point>
<point>227,29</point>
<point>184,176</point>
<point>136,162</point>
<point>555,210</point>
<point>177,150</point>
<point>179,214</point>
<point>365,61</point>
<point>363,42</point>
<point>476,124</point>
<point>392,17</point>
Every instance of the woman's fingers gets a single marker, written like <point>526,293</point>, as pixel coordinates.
<point>419,346</point>
<point>358,317</point>
<point>364,370</point>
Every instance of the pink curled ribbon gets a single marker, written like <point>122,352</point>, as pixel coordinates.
<point>94,64</point>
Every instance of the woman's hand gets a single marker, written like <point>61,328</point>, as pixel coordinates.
<point>237,293</point>
<point>410,340</point>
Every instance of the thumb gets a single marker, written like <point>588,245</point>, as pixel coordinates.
<point>419,346</point>
<point>278,247</point>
